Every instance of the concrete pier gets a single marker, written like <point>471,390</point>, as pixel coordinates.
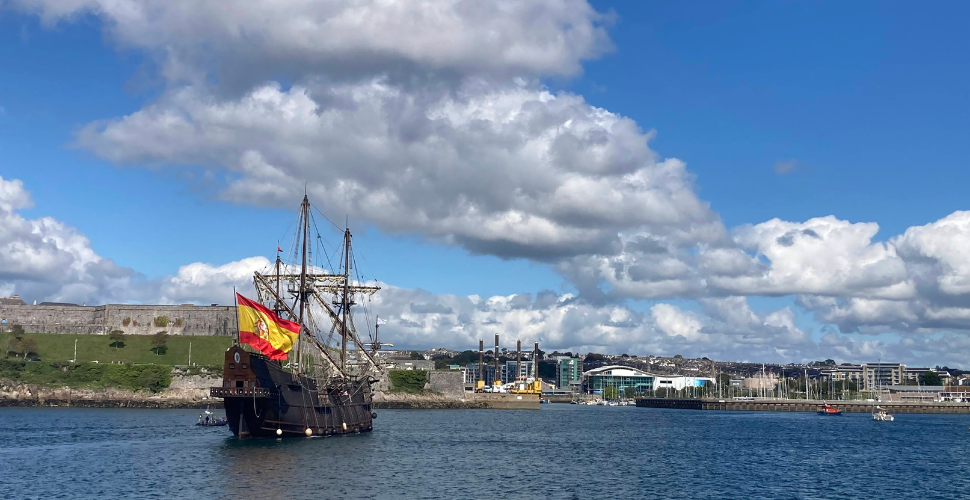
<point>507,401</point>
<point>792,405</point>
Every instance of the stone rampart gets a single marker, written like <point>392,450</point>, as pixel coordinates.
<point>131,319</point>
<point>449,383</point>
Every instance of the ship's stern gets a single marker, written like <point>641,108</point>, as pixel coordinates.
<point>244,399</point>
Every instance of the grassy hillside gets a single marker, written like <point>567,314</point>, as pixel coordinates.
<point>53,348</point>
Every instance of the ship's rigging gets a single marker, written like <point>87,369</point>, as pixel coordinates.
<point>329,347</point>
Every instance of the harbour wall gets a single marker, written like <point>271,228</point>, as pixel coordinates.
<point>131,319</point>
<point>790,405</point>
<point>447,383</point>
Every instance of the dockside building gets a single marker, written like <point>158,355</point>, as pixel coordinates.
<point>569,374</point>
<point>620,377</point>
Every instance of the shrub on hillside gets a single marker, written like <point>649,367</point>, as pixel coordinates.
<point>117,338</point>
<point>21,347</point>
<point>152,378</point>
<point>137,377</point>
<point>160,342</point>
<point>409,381</point>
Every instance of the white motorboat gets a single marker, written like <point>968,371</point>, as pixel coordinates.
<point>880,415</point>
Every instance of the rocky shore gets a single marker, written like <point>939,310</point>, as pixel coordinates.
<point>184,392</point>
<point>190,392</point>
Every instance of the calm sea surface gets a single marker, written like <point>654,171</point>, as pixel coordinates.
<point>560,451</point>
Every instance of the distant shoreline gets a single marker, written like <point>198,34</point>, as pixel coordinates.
<point>165,404</point>
<point>159,404</point>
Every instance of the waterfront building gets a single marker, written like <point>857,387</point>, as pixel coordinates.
<point>525,371</point>
<point>956,393</point>
<point>761,382</point>
<point>471,373</point>
<point>911,375</point>
<point>569,373</point>
<point>679,383</point>
<point>875,375</point>
<point>845,373</point>
<point>915,393</point>
<point>621,377</point>
<point>13,300</point>
<point>882,374</point>
<point>409,364</point>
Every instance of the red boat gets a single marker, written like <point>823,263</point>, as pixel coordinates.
<point>829,410</point>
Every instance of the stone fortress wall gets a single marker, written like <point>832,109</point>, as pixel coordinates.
<point>183,319</point>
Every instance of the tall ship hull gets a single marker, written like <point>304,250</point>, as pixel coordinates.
<point>262,399</point>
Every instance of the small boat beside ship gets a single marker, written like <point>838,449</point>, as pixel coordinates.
<point>829,410</point>
<point>208,419</point>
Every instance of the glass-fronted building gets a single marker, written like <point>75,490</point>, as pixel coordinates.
<point>621,377</point>
<point>525,371</point>
<point>569,372</point>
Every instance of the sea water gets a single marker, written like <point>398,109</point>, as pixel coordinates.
<point>560,451</point>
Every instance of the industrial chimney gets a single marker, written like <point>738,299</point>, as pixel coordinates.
<point>497,378</point>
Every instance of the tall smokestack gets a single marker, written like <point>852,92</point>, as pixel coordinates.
<point>518,360</point>
<point>498,378</point>
<point>535,361</point>
<point>481,360</point>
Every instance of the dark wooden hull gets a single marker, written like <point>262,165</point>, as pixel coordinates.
<point>263,400</point>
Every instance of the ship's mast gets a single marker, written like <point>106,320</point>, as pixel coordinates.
<point>345,301</point>
<point>311,287</point>
<point>305,209</point>
<point>277,307</point>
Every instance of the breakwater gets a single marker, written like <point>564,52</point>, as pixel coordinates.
<point>428,405</point>
<point>791,405</point>
<point>470,401</point>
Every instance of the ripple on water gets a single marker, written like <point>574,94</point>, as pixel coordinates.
<point>560,451</point>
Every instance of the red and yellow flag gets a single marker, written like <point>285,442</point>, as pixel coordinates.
<point>264,330</point>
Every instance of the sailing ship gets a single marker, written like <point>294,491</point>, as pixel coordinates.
<point>324,388</point>
<point>878,413</point>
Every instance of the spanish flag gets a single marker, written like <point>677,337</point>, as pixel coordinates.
<point>264,330</point>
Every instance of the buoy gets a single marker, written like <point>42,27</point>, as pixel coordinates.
<point>345,425</point>
<point>279,432</point>
<point>308,432</point>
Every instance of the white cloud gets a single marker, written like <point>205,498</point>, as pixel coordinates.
<point>511,172</point>
<point>48,260</point>
<point>822,256</point>
<point>428,118</point>
<point>937,253</point>
<point>195,40</point>
<point>44,259</point>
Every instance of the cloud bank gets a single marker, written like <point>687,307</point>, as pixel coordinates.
<point>431,119</point>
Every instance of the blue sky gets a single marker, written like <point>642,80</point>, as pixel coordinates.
<point>866,104</point>
<point>55,79</point>
<point>869,103</point>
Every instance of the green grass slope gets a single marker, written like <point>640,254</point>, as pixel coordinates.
<point>54,347</point>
